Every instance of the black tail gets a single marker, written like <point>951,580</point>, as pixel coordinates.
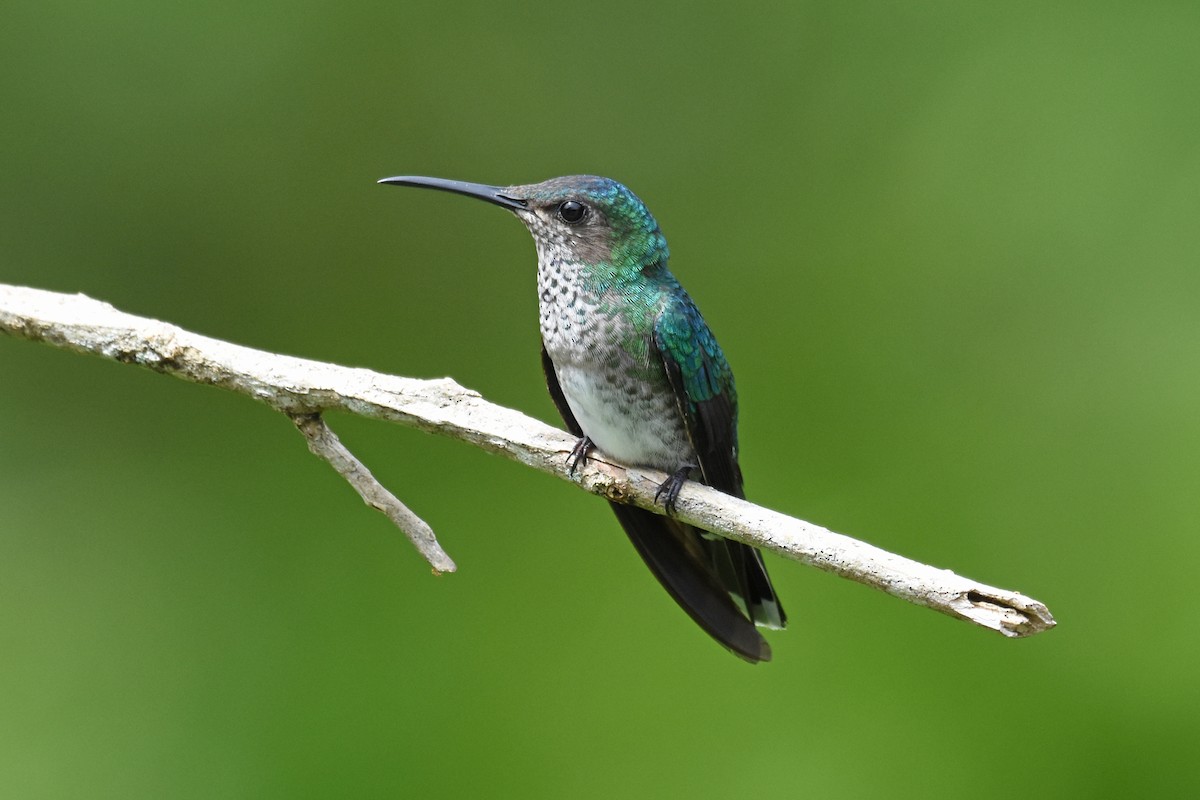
<point>716,581</point>
<point>742,572</point>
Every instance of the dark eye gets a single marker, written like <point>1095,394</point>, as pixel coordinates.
<point>572,211</point>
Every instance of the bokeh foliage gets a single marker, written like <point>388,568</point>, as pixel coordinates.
<point>950,249</point>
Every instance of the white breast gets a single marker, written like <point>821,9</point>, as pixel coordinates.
<point>625,418</point>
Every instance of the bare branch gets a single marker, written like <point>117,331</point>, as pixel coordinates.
<point>325,443</point>
<point>297,387</point>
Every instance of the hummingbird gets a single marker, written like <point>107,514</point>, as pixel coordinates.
<point>636,373</point>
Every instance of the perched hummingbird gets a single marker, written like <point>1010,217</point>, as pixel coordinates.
<point>635,372</point>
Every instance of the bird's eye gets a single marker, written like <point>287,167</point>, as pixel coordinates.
<point>572,211</point>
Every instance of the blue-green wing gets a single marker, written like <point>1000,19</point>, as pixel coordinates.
<point>703,385</point>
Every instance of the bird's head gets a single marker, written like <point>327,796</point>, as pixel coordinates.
<point>578,219</point>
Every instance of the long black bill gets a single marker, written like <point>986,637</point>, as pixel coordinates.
<point>492,194</point>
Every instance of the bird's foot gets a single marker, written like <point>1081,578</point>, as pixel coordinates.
<point>668,492</point>
<point>579,455</point>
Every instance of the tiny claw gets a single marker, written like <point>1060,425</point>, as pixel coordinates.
<point>668,492</point>
<point>579,454</point>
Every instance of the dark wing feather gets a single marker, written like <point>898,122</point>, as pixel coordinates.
<point>670,550</point>
<point>704,388</point>
<point>678,557</point>
<point>556,394</point>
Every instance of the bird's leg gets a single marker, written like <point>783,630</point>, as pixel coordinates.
<point>579,455</point>
<point>668,492</point>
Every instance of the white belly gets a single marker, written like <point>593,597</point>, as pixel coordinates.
<point>625,418</point>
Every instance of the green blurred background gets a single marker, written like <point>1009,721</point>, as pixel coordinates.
<point>950,249</point>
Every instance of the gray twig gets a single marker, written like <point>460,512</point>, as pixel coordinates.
<point>325,443</point>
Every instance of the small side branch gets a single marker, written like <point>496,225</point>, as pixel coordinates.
<point>325,443</point>
<point>299,387</point>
